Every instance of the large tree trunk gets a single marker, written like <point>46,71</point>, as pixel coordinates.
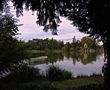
<point>106,67</point>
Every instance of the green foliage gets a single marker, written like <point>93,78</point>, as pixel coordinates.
<point>34,85</point>
<point>75,45</point>
<point>39,85</point>
<point>45,44</point>
<point>11,50</point>
<point>91,43</point>
<point>51,45</point>
<point>56,74</point>
<point>67,46</point>
<point>22,73</point>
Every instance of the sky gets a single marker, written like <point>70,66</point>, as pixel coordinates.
<point>30,30</point>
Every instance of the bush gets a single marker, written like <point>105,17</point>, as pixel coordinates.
<point>34,85</point>
<point>23,73</point>
<point>37,86</point>
<point>56,74</point>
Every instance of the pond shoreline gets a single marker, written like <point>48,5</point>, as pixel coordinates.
<point>84,64</point>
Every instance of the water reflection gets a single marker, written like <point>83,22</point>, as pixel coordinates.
<point>55,57</point>
<point>77,63</point>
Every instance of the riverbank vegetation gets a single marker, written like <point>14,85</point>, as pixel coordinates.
<point>52,44</point>
<point>40,47</point>
<point>29,78</point>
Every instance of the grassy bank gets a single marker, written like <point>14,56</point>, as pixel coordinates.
<point>37,53</point>
<point>86,83</point>
<point>78,83</point>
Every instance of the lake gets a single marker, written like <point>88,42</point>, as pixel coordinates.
<point>80,64</point>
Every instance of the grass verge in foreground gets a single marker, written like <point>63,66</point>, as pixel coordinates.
<point>85,83</point>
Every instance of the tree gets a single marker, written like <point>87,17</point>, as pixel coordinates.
<point>91,43</point>
<point>74,42</point>
<point>11,52</point>
<point>90,16</point>
<point>44,44</point>
<point>67,46</point>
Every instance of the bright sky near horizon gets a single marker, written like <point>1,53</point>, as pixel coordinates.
<point>30,30</point>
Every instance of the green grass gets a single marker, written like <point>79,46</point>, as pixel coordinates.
<point>85,83</point>
<point>57,51</point>
<point>78,82</point>
<point>44,51</point>
<point>37,53</point>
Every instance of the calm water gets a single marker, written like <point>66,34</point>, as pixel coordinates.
<point>78,64</point>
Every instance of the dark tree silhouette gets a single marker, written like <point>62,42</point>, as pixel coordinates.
<point>11,52</point>
<point>90,16</point>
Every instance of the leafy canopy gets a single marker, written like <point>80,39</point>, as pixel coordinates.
<point>11,52</point>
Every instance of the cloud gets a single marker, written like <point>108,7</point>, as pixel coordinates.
<point>31,30</point>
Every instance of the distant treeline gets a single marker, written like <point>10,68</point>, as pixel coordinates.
<point>52,44</point>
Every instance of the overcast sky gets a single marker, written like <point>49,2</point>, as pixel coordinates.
<point>30,30</point>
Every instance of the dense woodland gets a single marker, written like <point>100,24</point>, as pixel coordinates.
<point>52,44</point>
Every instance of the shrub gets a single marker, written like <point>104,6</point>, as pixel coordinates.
<point>23,73</point>
<point>56,74</point>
